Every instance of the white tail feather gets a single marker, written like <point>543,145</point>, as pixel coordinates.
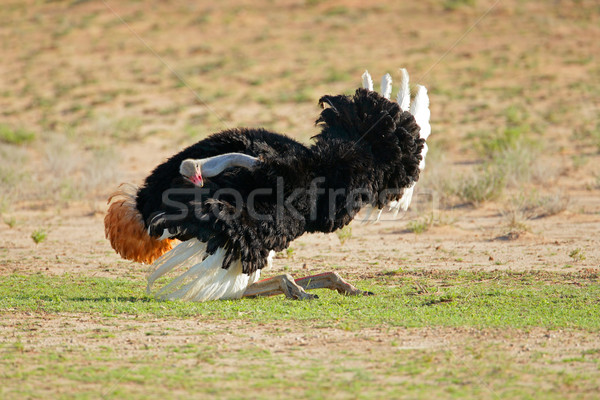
<point>367,81</point>
<point>403,97</point>
<point>386,86</point>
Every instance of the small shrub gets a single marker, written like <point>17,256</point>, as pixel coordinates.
<point>289,252</point>
<point>344,233</point>
<point>552,204</point>
<point>516,224</point>
<point>490,145</point>
<point>425,223</point>
<point>511,150</point>
<point>420,225</point>
<point>537,206</point>
<point>577,254</point>
<point>11,222</point>
<point>39,235</point>
<point>486,184</point>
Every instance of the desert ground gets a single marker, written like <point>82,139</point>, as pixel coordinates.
<point>96,93</point>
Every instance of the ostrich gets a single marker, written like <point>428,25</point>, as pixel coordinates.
<point>238,196</point>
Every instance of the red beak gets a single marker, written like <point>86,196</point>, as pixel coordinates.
<point>197,180</point>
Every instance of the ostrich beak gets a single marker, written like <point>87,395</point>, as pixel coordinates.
<point>196,180</point>
<point>196,176</point>
<point>191,172</point>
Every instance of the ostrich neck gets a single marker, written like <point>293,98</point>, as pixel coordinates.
<point>215,165</point>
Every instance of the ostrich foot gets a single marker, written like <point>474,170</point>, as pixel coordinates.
<point>296,289</point>
<point>282,284</point>
<point>333,281</point>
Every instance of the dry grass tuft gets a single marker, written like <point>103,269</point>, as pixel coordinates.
<point>344,233</point>
<point>521,209</point>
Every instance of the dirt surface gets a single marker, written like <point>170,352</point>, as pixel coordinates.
<point>94,81</point>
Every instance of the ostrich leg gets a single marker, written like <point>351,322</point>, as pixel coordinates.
<point>296,289</point>
<point>333,281</point>
<point>281,284</point>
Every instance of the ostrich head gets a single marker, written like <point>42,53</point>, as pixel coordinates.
<point>191,170</point>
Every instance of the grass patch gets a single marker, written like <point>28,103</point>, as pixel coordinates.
<point>39,235</point>
<point>10,221</point>
<point>497,299</point>
<point>577,255</point>
<point>425,223</point>
<point>420,225</point>
<point>175,357</point>
<point>216,372</point>
<point>15,136</point>
<point>453,5</point>
<point>485,184</point>
<point>510,158</point>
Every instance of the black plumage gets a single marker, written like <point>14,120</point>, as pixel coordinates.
<point>368,152</point>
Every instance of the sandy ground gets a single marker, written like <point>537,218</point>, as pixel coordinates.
<point>74,73</point>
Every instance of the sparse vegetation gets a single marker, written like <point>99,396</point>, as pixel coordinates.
<point>289,252</point>
<point>577,254</point>
<point>535,205</point>
<point>588,134</point>
<point>39,235</point>
<point>420,225</point>
<point>344,233</point>
<point>452,5</point>
<point>15,136</point>
<point>516,223</point>
<point>487,183</point>
<point>10,221</point>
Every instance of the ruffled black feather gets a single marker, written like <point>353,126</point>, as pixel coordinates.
<point>368,151</point>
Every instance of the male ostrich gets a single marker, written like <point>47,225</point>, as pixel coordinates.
<point>239,195</point>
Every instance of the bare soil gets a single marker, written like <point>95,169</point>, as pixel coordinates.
<point>74,70</point>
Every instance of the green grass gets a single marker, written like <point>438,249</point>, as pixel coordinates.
<point>482,371</point>
<point>499,299</point>
<point>135,347</point>
<point>15,136</point>
<point>39,235</point>
<point>453,5</point>
<point>577,254</point>
<point>421,225</point>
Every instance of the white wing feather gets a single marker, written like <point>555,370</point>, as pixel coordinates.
<point>199,276</point>
<point>367,81</point>
<point>386,86</point>
<point>403,97</point>
<point>420,110</point>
